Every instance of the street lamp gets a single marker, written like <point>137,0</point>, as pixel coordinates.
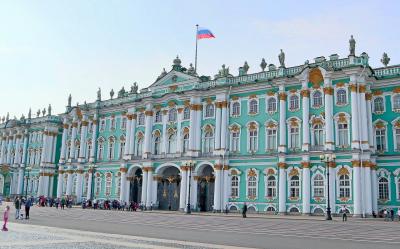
<point>328,159</point>
<point>92,169</point>
<point>28,169</point>
<point>189,164</point>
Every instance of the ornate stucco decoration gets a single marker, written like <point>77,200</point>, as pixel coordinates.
<point>343,171</point>
<point>294,172</point>
<point>315,77</point>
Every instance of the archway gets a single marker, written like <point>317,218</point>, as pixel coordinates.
<point>135,187</point>
<point>205,188</point>
<point>168,188</point>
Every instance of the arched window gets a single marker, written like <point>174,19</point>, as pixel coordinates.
<point>186,113</point>
<point>97,185</point>
<point>141,119</point>
<point>1,184</point>
<point>252,187</point>
<point>121,147</point>
<point>294,187</point>
<point>271,187</point>
<point>139,147</point>
<point>236,109</point>
<point>344,186</point>
<point>253,106</point>
<point>118,185</point>
<point>172,115</point>
<point>271,138</point>
<point>110,153</point>
<point>253,140</point>
<point>85,183</point>
<point>318,186</point>
<point>318,134</point>
<point>185,140</point>
<point>317,99</point>
<point>271,105</point>
<point>112,124</point>
<point>383,189</point>
<point>234,187</point>
<point>380,136</point>
<point>341,97</point>
<point>158,117</point>
<point>123,123</point>
<point>102,124</point>
<point>294,137</point>
<point>100,149</point>
<point>65,182</point>
<point>208,145</point>
<point>172,143</point>
<point>157,143</point>
<point>294,102</point>
<point>209,111</point>
<point>396,102</point>
<point>77,148</point>
<point>379,106</point>
<point>89,148</point>
<point>74,182</point>
<point>343,136</point>
<point>270,209</point>
<point>108,181</point>
<point>235,141</point>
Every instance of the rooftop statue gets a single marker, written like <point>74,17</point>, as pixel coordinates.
<point>86,106</point>
<point>134,87</point>
<point>263,64</point>
<point>99,94</point>
<point>385,59</point>
<point>69,100</point>
<point>22,117</point>
<point>121,92</point>
<point>352,47</point>
<point>191,70</point>
<point>49,110</point>
<point>112,93</point>
<point>246,67</point>
<point>281,58</point>
<point>3,119</point>
<point>44,111</point>
<point>8,116</point>
<point>38,113</point>
<point>30,113</point>
<point>223,72</point>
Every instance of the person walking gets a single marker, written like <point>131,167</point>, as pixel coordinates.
<point>5,218</point>
<point>28,205</point>
<point>17,205</point>
<point>386,215</point>
<point>63,203</point>
<point>244,211</point>
<point>344,213</point>
<point>392,214</point>
<point>398,213</point>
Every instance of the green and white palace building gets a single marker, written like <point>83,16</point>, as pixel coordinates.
<point>223,141</point>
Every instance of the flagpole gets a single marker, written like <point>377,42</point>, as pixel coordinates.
<point>195,57</point>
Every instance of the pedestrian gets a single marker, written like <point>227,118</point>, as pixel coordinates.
<point>63,203</point>
<point>28,205</point>
<point>226,209</point>
<point>344,213</point>
<point>392,214</point>
<point>244,211</point>
<point>398,213</point>
<point>386,215</point>
<point>373,214</point>
<point>5,218</point>
<point>151,206</point>
<point>17,205</point>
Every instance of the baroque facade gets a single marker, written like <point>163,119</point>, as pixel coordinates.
<point>252,138</point>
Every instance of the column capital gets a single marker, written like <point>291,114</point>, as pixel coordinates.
<point>305,93</point>
<point>328,90</point>
<point>123,170</point>
<point>282,96</point>
<point>305,165</point>
<point>282,165</point>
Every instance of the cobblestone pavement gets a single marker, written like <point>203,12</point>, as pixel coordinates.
<point>34,236</point>
<point>253,232</point>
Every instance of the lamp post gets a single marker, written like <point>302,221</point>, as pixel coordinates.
<point>327,159</point>
<point>92,169</point>
<point>28,169</point>
<point>189,164</point>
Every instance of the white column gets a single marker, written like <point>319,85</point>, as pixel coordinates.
<point>149,186</point>
<point>329,140</point>
<point>357,188</point>
<point>364,118</point>
<point>192,130</point>
<point>84,130</point>
<point>25,148</point>
<point>44,146</point>
<point>193,192</point>
<point>306,185</point>
<point>217,138</point>
<point>73,137</point>
<point>122,190</point>
<point>9,147</point>
<point>224,125</point>
<point>64,141</point>
<point>94,139</point>
<point>17,145</point>
<point>227,188</point>
<point>60,182</point>
<point>132,139</point>
<point>370,128</point>
<point>89,190</point>
<point>354,114</point>
<point>282,185</point>
<point>127,188</point>
<point>69,180</point>
<point>79,181</point>
<point>182,194</point>
<point>164,138</point>
<point>217,187</point>
<point>3,155</point>
<point>368,189</point>
<point>148,131</point>
<point>50,144</point>
<point>306,116</point>
<point>128,136</point>
<point>374,191</point>
<point>282,121</point>
<point>41,182</point>
<point>179,131</point>
<point>144,186</point>
<point>20,180</point>
<point>154,190</point>
<point>45,186</point>
<point>198,127</point>
<point>332,189</point>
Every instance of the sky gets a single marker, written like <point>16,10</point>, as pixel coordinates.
<point>50,49</point>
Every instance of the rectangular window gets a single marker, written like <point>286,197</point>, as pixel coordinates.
<point>380,139</point>
<point>294,138</point>
<point>271,139</point>
<point>343,134</point>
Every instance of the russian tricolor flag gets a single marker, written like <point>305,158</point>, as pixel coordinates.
<point>203,33</point>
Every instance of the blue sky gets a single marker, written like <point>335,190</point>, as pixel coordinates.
<point>49,49</point>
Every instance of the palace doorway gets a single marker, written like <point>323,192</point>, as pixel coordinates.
<point>206,189</point>
<point>135,186</point>
<point>168,188</point>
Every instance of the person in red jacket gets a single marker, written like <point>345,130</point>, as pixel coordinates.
<point>5,218</point>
